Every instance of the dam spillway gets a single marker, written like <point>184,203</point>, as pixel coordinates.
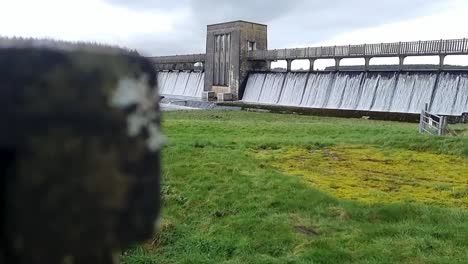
<point>237,65</point>
<point>181,83</point>
<point>446,93</point>
<point>238,49</point>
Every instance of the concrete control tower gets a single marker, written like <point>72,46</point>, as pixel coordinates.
<point>226,65</point>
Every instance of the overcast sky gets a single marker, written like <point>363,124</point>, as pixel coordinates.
<point>156,27</point>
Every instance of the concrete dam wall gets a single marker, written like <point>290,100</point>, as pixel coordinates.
<point>237,63</point>
<point>181,83</point>
<point>405,92</point>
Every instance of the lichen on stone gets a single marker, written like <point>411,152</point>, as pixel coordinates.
<point>136,93</point>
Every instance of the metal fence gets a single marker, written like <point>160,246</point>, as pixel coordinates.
<point>432,123</point>
<point>416,48</point>
<point>189,58</point>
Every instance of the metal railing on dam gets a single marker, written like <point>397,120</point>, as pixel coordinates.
<point>189,58</point>
<point>396,49</point>
<point>440,48</point>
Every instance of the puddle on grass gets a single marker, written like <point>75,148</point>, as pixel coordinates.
<point>372,175</point>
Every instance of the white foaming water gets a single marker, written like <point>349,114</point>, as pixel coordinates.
<point>195,83</point>
<point>310,94</point>
<point>387,92</point>
<point>293,89</point>
<point>316,92</point>
<point>461,103</point>
<point>423,88</point>
<point>272,88</point>
<point>403,93</point>
<point>181,83</point>
<point>337,91</point>
<point>368,92</point>
<point>186,84</point>
<point>170,82</point>
<point>384,92</point>
<point>162,77</point>
<point>255,81</point>
<point>201,85</point>
<point>392,92</point>
<point>351,93</point>
<point>445,94</point>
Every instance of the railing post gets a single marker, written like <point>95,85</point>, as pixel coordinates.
<point>440,46</point>
<point>288,65</point>
<point>440,127</point>
<point>268,63</point>
<point>421,121</point>
<point>337,64</point>
<point>365,50</point>
<point>367,63</point>
<point>311,65</point>
<point>443,123</point>
<point>402,62</point>
<point>441,61</point>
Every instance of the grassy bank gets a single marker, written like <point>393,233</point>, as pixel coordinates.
<point>266,188</point>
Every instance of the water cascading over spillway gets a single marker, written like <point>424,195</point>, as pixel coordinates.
<point>316,90</point>
<point>181,83</point>
<point>446,93</point>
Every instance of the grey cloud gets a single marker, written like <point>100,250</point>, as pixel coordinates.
<point>293,21</point>
<point>263,11</point>
<point>149,4</point>
<point>327,21</point>
<point>182,42</point>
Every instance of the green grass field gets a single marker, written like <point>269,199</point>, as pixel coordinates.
<point>244,187</point>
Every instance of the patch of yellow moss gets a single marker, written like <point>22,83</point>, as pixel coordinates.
<point>372,175</point>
